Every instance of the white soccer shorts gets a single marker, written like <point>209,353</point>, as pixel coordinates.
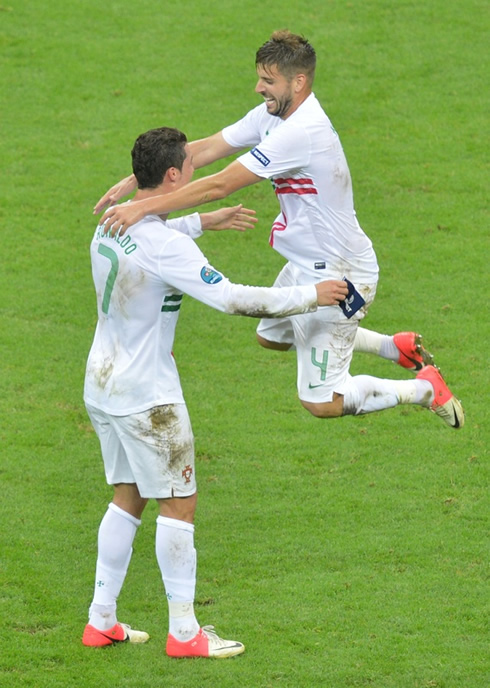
<point>324,340</point>
<point>154,449</point>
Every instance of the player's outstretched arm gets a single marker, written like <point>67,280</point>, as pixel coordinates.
<point>115,193</point>
<point>331,292</point>
<point>208,150</point>
<point>238,218</point>
<point>205,190</point>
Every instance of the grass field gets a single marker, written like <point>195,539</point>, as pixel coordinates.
<point>345,553</point>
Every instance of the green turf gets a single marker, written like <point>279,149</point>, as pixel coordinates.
<point>345,553</point>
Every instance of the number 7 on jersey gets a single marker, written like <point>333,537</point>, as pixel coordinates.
<point>111,277</point>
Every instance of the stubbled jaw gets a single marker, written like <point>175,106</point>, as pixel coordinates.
<point>271,104</point>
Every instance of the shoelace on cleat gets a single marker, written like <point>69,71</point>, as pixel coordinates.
<point>213,636</point>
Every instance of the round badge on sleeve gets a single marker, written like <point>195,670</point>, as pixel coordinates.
<point>210,276</point>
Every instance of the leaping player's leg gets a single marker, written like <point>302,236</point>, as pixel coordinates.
<point>366,394</point>
<point>325,345</point>
<point>404,348</point>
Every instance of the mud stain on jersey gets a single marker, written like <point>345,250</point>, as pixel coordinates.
<point>104,373</point>
<point>101,374</point>
<point>251,312</point>
<point>342,177</point>
<point>262,311</point>
<point>368,293</point>
<point>127,286</point>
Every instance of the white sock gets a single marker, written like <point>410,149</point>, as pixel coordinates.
<point>366,394</point>
<point>370,342</point>
<point>115,542</point>
<point>177,561</point>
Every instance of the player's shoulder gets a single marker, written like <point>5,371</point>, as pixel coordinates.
<point>152,227</point>
<point>151,235</point>
<point>310,111</point>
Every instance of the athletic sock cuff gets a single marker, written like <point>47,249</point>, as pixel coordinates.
<point>175,523</point>
<point>129,517</point>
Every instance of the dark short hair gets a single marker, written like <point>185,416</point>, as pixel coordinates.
<point>154,152</point>
<point>290,53</point>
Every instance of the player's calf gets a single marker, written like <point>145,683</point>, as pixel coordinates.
<point>326,409</point>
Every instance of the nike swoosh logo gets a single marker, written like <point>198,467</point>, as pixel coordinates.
<point>111,637</point>
<point>455,422</point>
<point>310,386</point>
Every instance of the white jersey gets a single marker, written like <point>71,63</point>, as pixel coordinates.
<point>317,229</point>
<point>140,280</point>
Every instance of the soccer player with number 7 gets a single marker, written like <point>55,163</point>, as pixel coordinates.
<point>133,393</point>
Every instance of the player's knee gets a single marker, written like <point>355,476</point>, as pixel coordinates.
<point>268,344</point>
<point>179,508</point>
<point>326,409</point>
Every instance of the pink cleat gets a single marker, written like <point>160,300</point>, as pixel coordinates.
<point>413,356</point>
<point>445,403</point>
<point>205,644</point>
<point>119,633</point>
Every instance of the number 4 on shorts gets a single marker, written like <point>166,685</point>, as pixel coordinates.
<point>320,364</point>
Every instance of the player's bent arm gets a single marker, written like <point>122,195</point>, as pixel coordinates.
<point>204,152</point>
<point>208,150</point>
<point>270,302</point>
<point>331,292</point>
<point>184,266</point>
<point>237,218</point>
<point>211,188</point>
<point>115,193</point>
<point>214,187</point>
<point>281,302</point>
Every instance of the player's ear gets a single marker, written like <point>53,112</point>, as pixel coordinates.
<point>300,82</point>
<point>172,174</point>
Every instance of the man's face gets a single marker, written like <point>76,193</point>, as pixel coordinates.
<point>187,168</point>
<point>276,89</point>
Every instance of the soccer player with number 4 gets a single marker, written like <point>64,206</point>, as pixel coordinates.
<point>292,142</point>
<point>133,394</point>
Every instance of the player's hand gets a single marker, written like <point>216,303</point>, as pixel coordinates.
<point>331,292</point>
<point>120,217</point>
<point>115,193</point>
<point>238,218</point>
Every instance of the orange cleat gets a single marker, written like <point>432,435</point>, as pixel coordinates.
<point>205,644</point>
<point>413,356</point>
<point>119,633</point>
<point>445,403</point>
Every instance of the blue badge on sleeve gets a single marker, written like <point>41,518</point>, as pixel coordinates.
<point>263,159</point>
<point>353,301</point>
<point>210,276</point>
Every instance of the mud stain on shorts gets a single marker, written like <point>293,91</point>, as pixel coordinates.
<point>171,439</point>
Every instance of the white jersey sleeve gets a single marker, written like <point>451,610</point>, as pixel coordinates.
<point>246,132</point>
<point>188,224</point>
<point>286,148</point>
<point>278,146</point>
<point>183,266</point>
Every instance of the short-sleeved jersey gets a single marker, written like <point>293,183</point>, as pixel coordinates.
<point>140,279</point>
<point>317,229</point>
